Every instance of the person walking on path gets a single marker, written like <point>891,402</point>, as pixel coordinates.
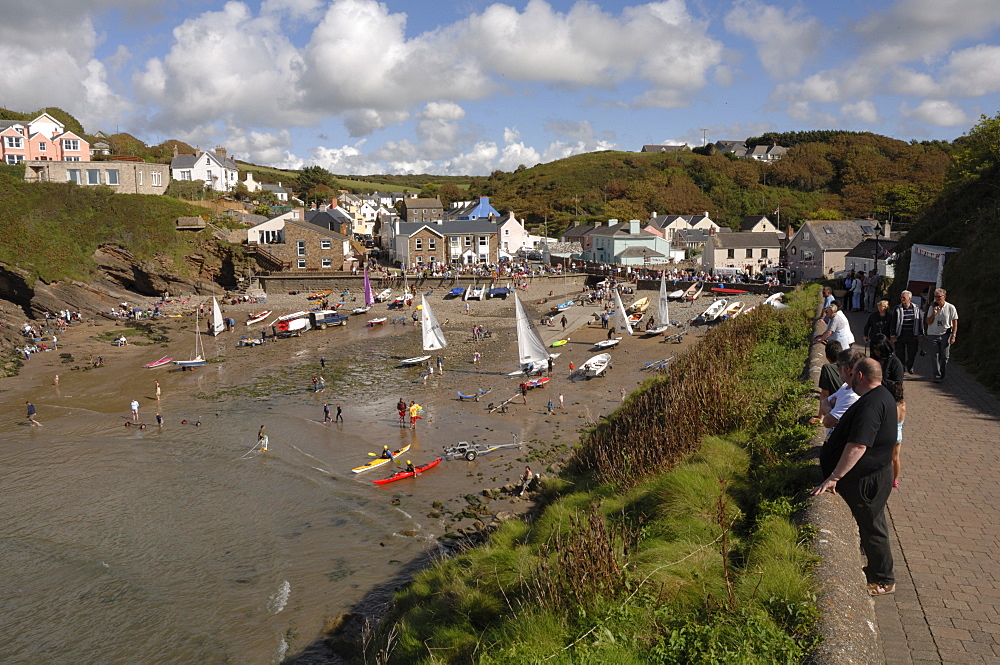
<point>524,392</point>
<point>31,415</point>
<point>326,413</point>
<point>157,391</point>
<point>906,329</point>
<point>562,403</point>
<point>857,461</point>
<point>340,415</point>
<point>322,362</point>
<point>440,364</point>
<point>135,410</point>
<point>548,409</point>
<point>563,321</point>
<point>942,329</point>
<point>623,394</point>
<point>878,322</point>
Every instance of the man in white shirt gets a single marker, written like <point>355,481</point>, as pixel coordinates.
<point>838,403</point>
<point>838,328</point>
<point>942,328</point>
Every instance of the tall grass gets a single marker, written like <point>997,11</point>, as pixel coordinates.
<point>680,546</point>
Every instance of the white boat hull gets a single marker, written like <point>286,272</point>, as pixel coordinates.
<point>597,365</point>
<point>608,343</point>
<point>415,360</point>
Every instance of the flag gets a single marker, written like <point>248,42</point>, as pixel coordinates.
<point>776,210</point>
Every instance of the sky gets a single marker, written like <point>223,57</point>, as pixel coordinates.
<point>466,87</point>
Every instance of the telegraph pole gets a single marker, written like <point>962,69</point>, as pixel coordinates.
<point>704,136</point>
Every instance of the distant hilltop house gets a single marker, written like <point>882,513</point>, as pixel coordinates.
<point>43,139</point>
<point>216,169</point>
<point>761,153</point>
<point>666,148</point>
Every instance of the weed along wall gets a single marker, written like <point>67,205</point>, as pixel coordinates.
<point>668,539</point>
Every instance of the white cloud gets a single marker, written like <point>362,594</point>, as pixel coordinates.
<point>972,72</point>
<point>361,122</point>
<point>784,39</point>
<point>863,111</point>
<point>271,148</point>
<point>938,112</point>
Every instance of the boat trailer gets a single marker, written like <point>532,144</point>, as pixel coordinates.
<point>470,451</point>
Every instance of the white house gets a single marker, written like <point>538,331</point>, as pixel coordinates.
<point>513,236</point>
<point>215,168</point>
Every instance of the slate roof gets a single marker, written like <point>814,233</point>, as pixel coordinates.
<point>634,252</point>
<point>458,227</point>
<point>415,204</point>
<point>318,229</point>
<point>751,221</point>
<point>277,189</point>
<point>577,231</point>
<point>838,235</point>
<point>620,230</point>
<point>328,219</point>
<point>697,235</point>
<point>665,148</point>
<point>867,248</point>
<point>663,221</point>
<point>188,161</point>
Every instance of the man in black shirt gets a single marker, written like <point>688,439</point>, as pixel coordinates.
<point>857,462</point>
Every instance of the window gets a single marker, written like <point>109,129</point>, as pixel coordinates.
<point>763,253</point>
<point>14,159</point>
<point>794,251</point>
<point>431,244</point>
<point>70,158</point>
<point>807,255</point>
<point>138,175</point>
<point>71,144</point>
<point>420,259</point>
<point>300,247</point>
<point>208,175</point>
<point>73,175</point>
<point>418,243</point>
<point>326,243</point>
<point>111,177</point>
<point>302,264</point>
<point>41,146</point>
<point>185,175</point>
<point>468,241</point>
<point>484,241</point>
<point>432,259</point>
<point>805,235</point>
<point>730,253</point>
<point>749,253</point>
<point>327,263</point>
<point>154,179</point>
<point>93,177</point>
<point>14,141</point>
<point>506,232</point>
<point>454,241</point>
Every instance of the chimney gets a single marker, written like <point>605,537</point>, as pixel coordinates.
<point>612,222</point>
<point>706,213</point>
<point>633,227</point>
<point>174,148</point>
<point>220,151</point>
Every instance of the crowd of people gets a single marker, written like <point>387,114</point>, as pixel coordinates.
<point>863,408</point>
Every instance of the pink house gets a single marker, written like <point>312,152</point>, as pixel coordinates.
<point>43,139</point>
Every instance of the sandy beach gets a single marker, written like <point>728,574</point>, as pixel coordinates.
<point>360,365</point>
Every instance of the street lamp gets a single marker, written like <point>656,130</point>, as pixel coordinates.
<point>878,234</point>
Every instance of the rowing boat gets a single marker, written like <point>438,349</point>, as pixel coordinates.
<point>597,365</point>
<point>608,343</point>
<point>319,295</point>
<point>377,321</point>
<point>400,475</point>
<point>731,292</point>
<point>676,295</point>
<point>416,360</point>
<point>258,317</point>
<point>379,461</point>
<point>158,363</point>
<point>640,305</point>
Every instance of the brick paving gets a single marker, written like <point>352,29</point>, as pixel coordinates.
<point>945,523</point>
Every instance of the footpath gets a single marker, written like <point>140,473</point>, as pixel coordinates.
<point>945,523</point>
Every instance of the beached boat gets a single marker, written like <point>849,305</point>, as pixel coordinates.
<point>733,310</point>
<point>416,360</point>
<point>714,311</point>
<point>499,292</point>
<point>430,329</point>
<point>383,296</point>
<point>634,319</point>
<point>377,321</point>
<point>559,342</point>
<point>597,365</point>
<point>532,354</point>
<point>662,311</point>
<point>199,353</point>
<point>774,300</point>
<point>476,293</point>
<point>401,475</point>
<point>562,307</point>
<point>258,317</point>
<point>608,343</point>
<point>361,310</point>
<point>218,325</point>
<point>158,363</point>
<point>457,292</point>
<point>693,291</point>
<point>729,292</point>
<point>319,295</point>
<point>379,461</point>
<point>676,295</point>
<point>536,383</point>
<point>640,305</point>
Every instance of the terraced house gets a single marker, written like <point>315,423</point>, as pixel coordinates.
<point>433,243</point>
<point>43,139</point>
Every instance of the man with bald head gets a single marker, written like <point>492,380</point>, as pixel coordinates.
<point>857,463</point>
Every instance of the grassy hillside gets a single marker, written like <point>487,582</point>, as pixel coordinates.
<point>850,175</point>
<point>51,230</point>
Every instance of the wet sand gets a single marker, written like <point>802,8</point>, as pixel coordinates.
<point>363,375</point>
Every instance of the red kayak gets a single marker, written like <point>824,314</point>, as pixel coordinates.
<point>399,475</point>
<point>732,292</point>
<point>536,383</point>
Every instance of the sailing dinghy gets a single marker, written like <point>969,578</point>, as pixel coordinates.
<point>199,353</point>
<point>662,311</point>
<point>218,325</point>
<point>533,356</point>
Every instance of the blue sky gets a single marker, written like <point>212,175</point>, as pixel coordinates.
<point>470,86</point>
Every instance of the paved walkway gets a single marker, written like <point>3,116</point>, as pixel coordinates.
<point>945,522</point>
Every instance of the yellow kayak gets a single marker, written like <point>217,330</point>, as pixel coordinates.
<point>379,461</point>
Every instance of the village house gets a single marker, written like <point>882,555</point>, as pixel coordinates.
<point>667,226</point>
<point>683,147</point>
<point>758,224</point>
<point>819,248</point>
<point>747,252</point>
<point>288,243</point>
<point>423,210</point>
<point>218,171</point>
<point>579,234</point>
<point>124,177</point>
<point>43,139</point>
<point>468,210</point>
<point>440,242</point>
<point>513,237</point>
<point>626,243</point>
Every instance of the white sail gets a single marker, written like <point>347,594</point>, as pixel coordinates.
<point>433,335</point>
<point>621,318</point>
<point>217,323</point>
<point>663,313</point>
<point>530,347</point>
